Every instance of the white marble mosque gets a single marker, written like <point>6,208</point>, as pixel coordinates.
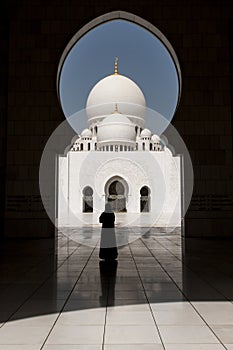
<point>117,159</point>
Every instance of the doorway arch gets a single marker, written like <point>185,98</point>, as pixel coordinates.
<point>116,191</point>
<point>127,17</point>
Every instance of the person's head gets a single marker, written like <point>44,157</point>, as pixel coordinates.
<point>108,208</point>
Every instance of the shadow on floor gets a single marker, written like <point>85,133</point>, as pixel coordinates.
<point>46,276</point>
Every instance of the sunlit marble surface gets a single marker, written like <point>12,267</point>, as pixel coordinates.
<point>162,293</point>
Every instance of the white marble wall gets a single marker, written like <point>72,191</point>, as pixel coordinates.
<point>160,171</point>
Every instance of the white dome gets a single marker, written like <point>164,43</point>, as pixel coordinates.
<point>116,128</point>
<point>86,133</point>
<point>116,89</point>
<point>155,138</point>
<point>145,133</point>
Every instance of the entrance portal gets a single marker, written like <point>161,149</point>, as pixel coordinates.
<point>116,195</point>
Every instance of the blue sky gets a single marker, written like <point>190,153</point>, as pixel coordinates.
<point>142,58</point>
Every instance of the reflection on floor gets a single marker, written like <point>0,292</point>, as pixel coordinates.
<point>156,296</point>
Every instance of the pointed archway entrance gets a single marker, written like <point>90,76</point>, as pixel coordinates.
<point>116,190</point>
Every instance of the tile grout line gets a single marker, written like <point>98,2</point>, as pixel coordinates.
<point>156,326</point>
<point>35,290</point>
<point>190,302</point>
<point>54,324</point>
<point>105,319</point>
<point>193,271</point>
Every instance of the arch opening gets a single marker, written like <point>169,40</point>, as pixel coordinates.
<point>116,193</point>
<point>145,199</point>
<point>116,188</point>
<point>97,66</point>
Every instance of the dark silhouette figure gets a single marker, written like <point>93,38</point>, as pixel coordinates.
<point>108,246</point>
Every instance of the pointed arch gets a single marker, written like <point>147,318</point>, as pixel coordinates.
<point>87,199</point>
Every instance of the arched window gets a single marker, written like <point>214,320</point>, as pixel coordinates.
<point>143,146</point>
<point>121,148</point>
<point>111,148</point>
<point>89,146</point>
<point>145,199</point>
<point>87,200</point>
<point>150,146</point>
<point>81,146</point>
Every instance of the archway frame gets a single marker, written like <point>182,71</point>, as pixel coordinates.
<point>116,178</point>
<point>127,16</point>
<point>123,182</point>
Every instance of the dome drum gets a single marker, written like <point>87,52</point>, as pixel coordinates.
<point>134,112</point>
<point>117,143</point>
<point>116,127</point>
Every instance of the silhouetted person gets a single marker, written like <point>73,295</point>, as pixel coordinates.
<point>108,246</point>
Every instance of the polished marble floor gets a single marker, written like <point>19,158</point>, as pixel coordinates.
<point>163,293</point>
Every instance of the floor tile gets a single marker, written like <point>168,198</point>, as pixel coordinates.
<point>85,295</point>
<point>224,332</point>
<point>177,317</point>
<point>71,347</point>
<point>134,347</point>
<point>125,295</point>
<point>194,347</point>
<point>82,317</point>
<point>218,312</point>
<point>115,317</point>
<point>20,347</point>
<point>124,334</point>
<point>22,335</point>
<point>36,321</point>
<point>187,334</point>
<point>76,335</point>
<point>132,307</point>
<point>171,306</point>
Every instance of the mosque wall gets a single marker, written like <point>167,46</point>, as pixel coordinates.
<point>159,171</point>
<point>33,36</point>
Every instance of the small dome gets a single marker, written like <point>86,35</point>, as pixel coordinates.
<point>86,133</point>
<point>116,128</point>
<point>164,140</point>
<point>145,133</point>
<point>155,138</point>
<point>114,89</point>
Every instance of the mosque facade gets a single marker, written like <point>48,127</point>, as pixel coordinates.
<point>117,159</point>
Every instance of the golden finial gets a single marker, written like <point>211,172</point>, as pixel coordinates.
<point>116,110</point>
<point>116,65</point>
